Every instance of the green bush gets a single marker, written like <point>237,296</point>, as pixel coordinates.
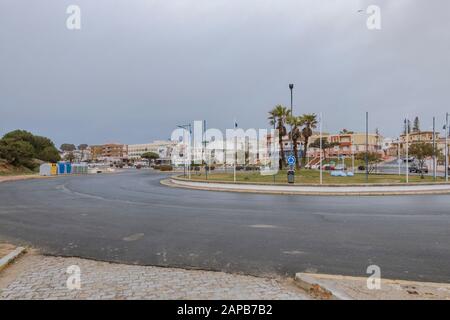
<point>17,153</point>
<point>166,167</point>
<point>20,148</point>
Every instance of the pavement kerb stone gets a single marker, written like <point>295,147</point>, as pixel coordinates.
<point>318,289</point>
<point>9,258</point>
<point>181,178</point>
<point>201,185</point>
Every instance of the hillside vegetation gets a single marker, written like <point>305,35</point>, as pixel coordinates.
<point>21,152</point>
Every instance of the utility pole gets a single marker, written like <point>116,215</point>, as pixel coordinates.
<point>434,148</point>
<point>446,146</point>
<point>367,147</point>
<point>204,148</point>
<point>273,142</point>
<point>186,149</point>
<point>291,87</point>
<point>235,151</point>
<point>320,147</point>
<point>399,158</point>
<point>407,150</point>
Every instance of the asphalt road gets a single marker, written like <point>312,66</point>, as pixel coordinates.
<point>129,217</point>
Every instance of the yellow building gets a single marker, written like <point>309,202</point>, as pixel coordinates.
<point>348,143</point>
<point>108,151</point>
<point>419,136</point>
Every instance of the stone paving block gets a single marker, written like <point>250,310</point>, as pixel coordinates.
<point>45,277</point>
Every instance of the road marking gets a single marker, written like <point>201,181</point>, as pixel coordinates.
<point>133,237</point>
<point>293,252</point>
<point>263,226</point>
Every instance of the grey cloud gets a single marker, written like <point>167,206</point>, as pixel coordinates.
<point>138,68</point>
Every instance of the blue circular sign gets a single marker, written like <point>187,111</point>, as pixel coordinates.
<point>291,160</point>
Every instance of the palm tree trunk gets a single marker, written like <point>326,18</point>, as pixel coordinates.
<point>305,150</point>
<point>280,141</point>
<point>297,165</point>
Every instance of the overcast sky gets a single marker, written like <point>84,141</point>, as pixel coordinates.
<point>138,68</point>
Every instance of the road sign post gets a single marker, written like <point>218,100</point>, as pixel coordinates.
<point>291,171</point>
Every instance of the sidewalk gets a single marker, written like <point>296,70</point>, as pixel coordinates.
<point>18,177</point>
<point>34,276</point>
<point>355,288</point>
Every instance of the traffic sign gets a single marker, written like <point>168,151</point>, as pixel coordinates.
<point>291,160</point>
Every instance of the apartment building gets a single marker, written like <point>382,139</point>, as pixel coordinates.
<point>419,136</point>
<point>109,152</point>
<point>347,144</point>
<point>161,147</point>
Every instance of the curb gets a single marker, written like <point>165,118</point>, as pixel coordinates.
<point>318,289</point>
<point>396,184</point>
<point>9,258</point>
<point>172,182</point>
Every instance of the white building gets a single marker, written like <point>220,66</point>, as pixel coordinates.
<point>161,147</point>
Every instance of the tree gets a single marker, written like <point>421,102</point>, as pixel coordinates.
<point>16,148</point>
<point>295,135</point>
<point>416,125</point>
<point>406,127</point>
<point>421,151</point>
<point>326,145</point>
<point>69,157</point>
<point>309,122</point>
<point>150,156</point>
<point>17,152</point>
<point>373,158</point>
<point>82,147</point>
<point>345,131</point>
<point>67,147</point>
<point>277,117</point>
<point>49,154</point>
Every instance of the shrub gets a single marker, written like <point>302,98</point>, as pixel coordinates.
<point>166,167</point>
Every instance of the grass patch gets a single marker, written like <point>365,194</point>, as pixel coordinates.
<point>311,177</point>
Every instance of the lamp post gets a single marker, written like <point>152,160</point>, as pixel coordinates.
<point>434,148</point>
<point>320,147</point>
<point>291,87</point>
<point>187,149</point>
<point>447,130</point>
<point>407,149</point>
<point>367,147</point>
<point>399,158</point>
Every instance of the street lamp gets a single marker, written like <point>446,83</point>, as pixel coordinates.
<point>187,149</point>
<point>291,87</point>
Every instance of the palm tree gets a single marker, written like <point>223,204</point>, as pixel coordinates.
<point>277,117</point>
<point>309,122</point>
<point>295,135</point>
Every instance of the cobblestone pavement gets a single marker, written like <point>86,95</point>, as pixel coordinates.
<point>41,277</point>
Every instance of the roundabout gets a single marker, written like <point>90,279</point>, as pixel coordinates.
<point>130,217</point>
<point>375,189</point>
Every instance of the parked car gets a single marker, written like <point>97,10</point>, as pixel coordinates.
<point>328,167</point>
<point>415,168</point>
